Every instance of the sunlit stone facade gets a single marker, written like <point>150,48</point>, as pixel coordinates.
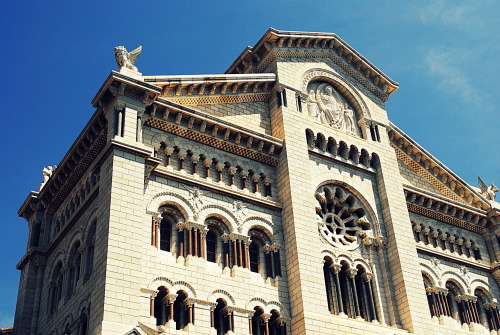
<point>274,199</point>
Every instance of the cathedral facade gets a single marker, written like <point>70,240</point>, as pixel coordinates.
<point>276,198</point>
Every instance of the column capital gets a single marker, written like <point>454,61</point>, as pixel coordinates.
<point>352,273</point>
<point>367,277</point>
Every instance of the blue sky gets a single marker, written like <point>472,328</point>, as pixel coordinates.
<point>444,53</point>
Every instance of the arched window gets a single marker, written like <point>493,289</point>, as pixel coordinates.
<point>349,291</point>
<point>183,311</point>
<point>55,291</point>
<point>74,269</point>
<point>89,252</point>
<point>458,309</point>
<point>162,306</point>
<point>263,257</point>
<point>436,299</point>
<point>277,326</point>
<point>83,323</point>
<point>217,250</point>
<point>222,319</point>
<point>168,240</point>
<point>486,311</point>
<point>258,322</point>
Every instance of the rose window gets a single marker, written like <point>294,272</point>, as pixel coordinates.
<point>342,218</point>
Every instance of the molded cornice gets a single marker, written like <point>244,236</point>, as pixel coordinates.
<point>277,43</point>
<point>204,128</point>
<point>214,88</point>
<point>433,171</point>
<point>72,167</point>
<point>445,210</point>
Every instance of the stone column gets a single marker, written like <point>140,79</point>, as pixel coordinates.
<point>368,279</point>
<point>336,270</point>
<point>207,163</point>
<point>352,275</point>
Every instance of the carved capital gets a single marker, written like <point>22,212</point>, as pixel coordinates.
<point>195,158</point>
<point>219,166</point>
<point>207,163</point>
<point>367,277</point>
<point>170,298</point>
<point>336,268</point>
<point>352,273</point>
<point>255,178</point>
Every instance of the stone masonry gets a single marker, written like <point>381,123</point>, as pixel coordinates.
<point>276,198</point>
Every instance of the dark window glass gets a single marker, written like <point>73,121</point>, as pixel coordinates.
<point>254,257</point>
<point>165,233</point>
<point>211,246</point>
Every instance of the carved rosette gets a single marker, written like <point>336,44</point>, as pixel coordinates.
<point>342,219</point>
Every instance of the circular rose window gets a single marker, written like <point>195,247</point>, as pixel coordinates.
<point>342,218</point>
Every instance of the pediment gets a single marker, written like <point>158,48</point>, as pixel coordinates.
<point>430,174</point>
<point>292,44</point>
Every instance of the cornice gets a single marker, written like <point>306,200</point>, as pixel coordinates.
<point>433,171</point>
<point>115,79</point>
<point>72,167</point>
<point>445,210</point>
<point>204,128</point>
<point>279,43</point>
<point>215,88</point>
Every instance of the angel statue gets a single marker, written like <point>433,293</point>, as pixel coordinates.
<point>127,59</point>
<point>47,173</point>
<point>487,192</point>
<point>328,104</point>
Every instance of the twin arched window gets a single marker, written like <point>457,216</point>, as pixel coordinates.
<point>265,324</point>
<point>165,308</point>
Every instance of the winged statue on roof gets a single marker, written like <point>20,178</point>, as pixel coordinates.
<point>487,191</point>
<point>127,59</point>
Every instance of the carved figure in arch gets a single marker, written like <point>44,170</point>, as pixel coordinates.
<point>312,106</point>
<point>327,99</point>
<point>350,125</point>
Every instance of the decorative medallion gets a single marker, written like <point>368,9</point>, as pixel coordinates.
<point>327,106</point>
<point>342,218</point>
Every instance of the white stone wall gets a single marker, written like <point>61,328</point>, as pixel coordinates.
<point>252,115</point>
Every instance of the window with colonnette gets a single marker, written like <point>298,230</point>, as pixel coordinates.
<point>215,242</point>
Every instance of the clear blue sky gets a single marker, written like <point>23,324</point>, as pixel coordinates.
<point>444,53</point>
